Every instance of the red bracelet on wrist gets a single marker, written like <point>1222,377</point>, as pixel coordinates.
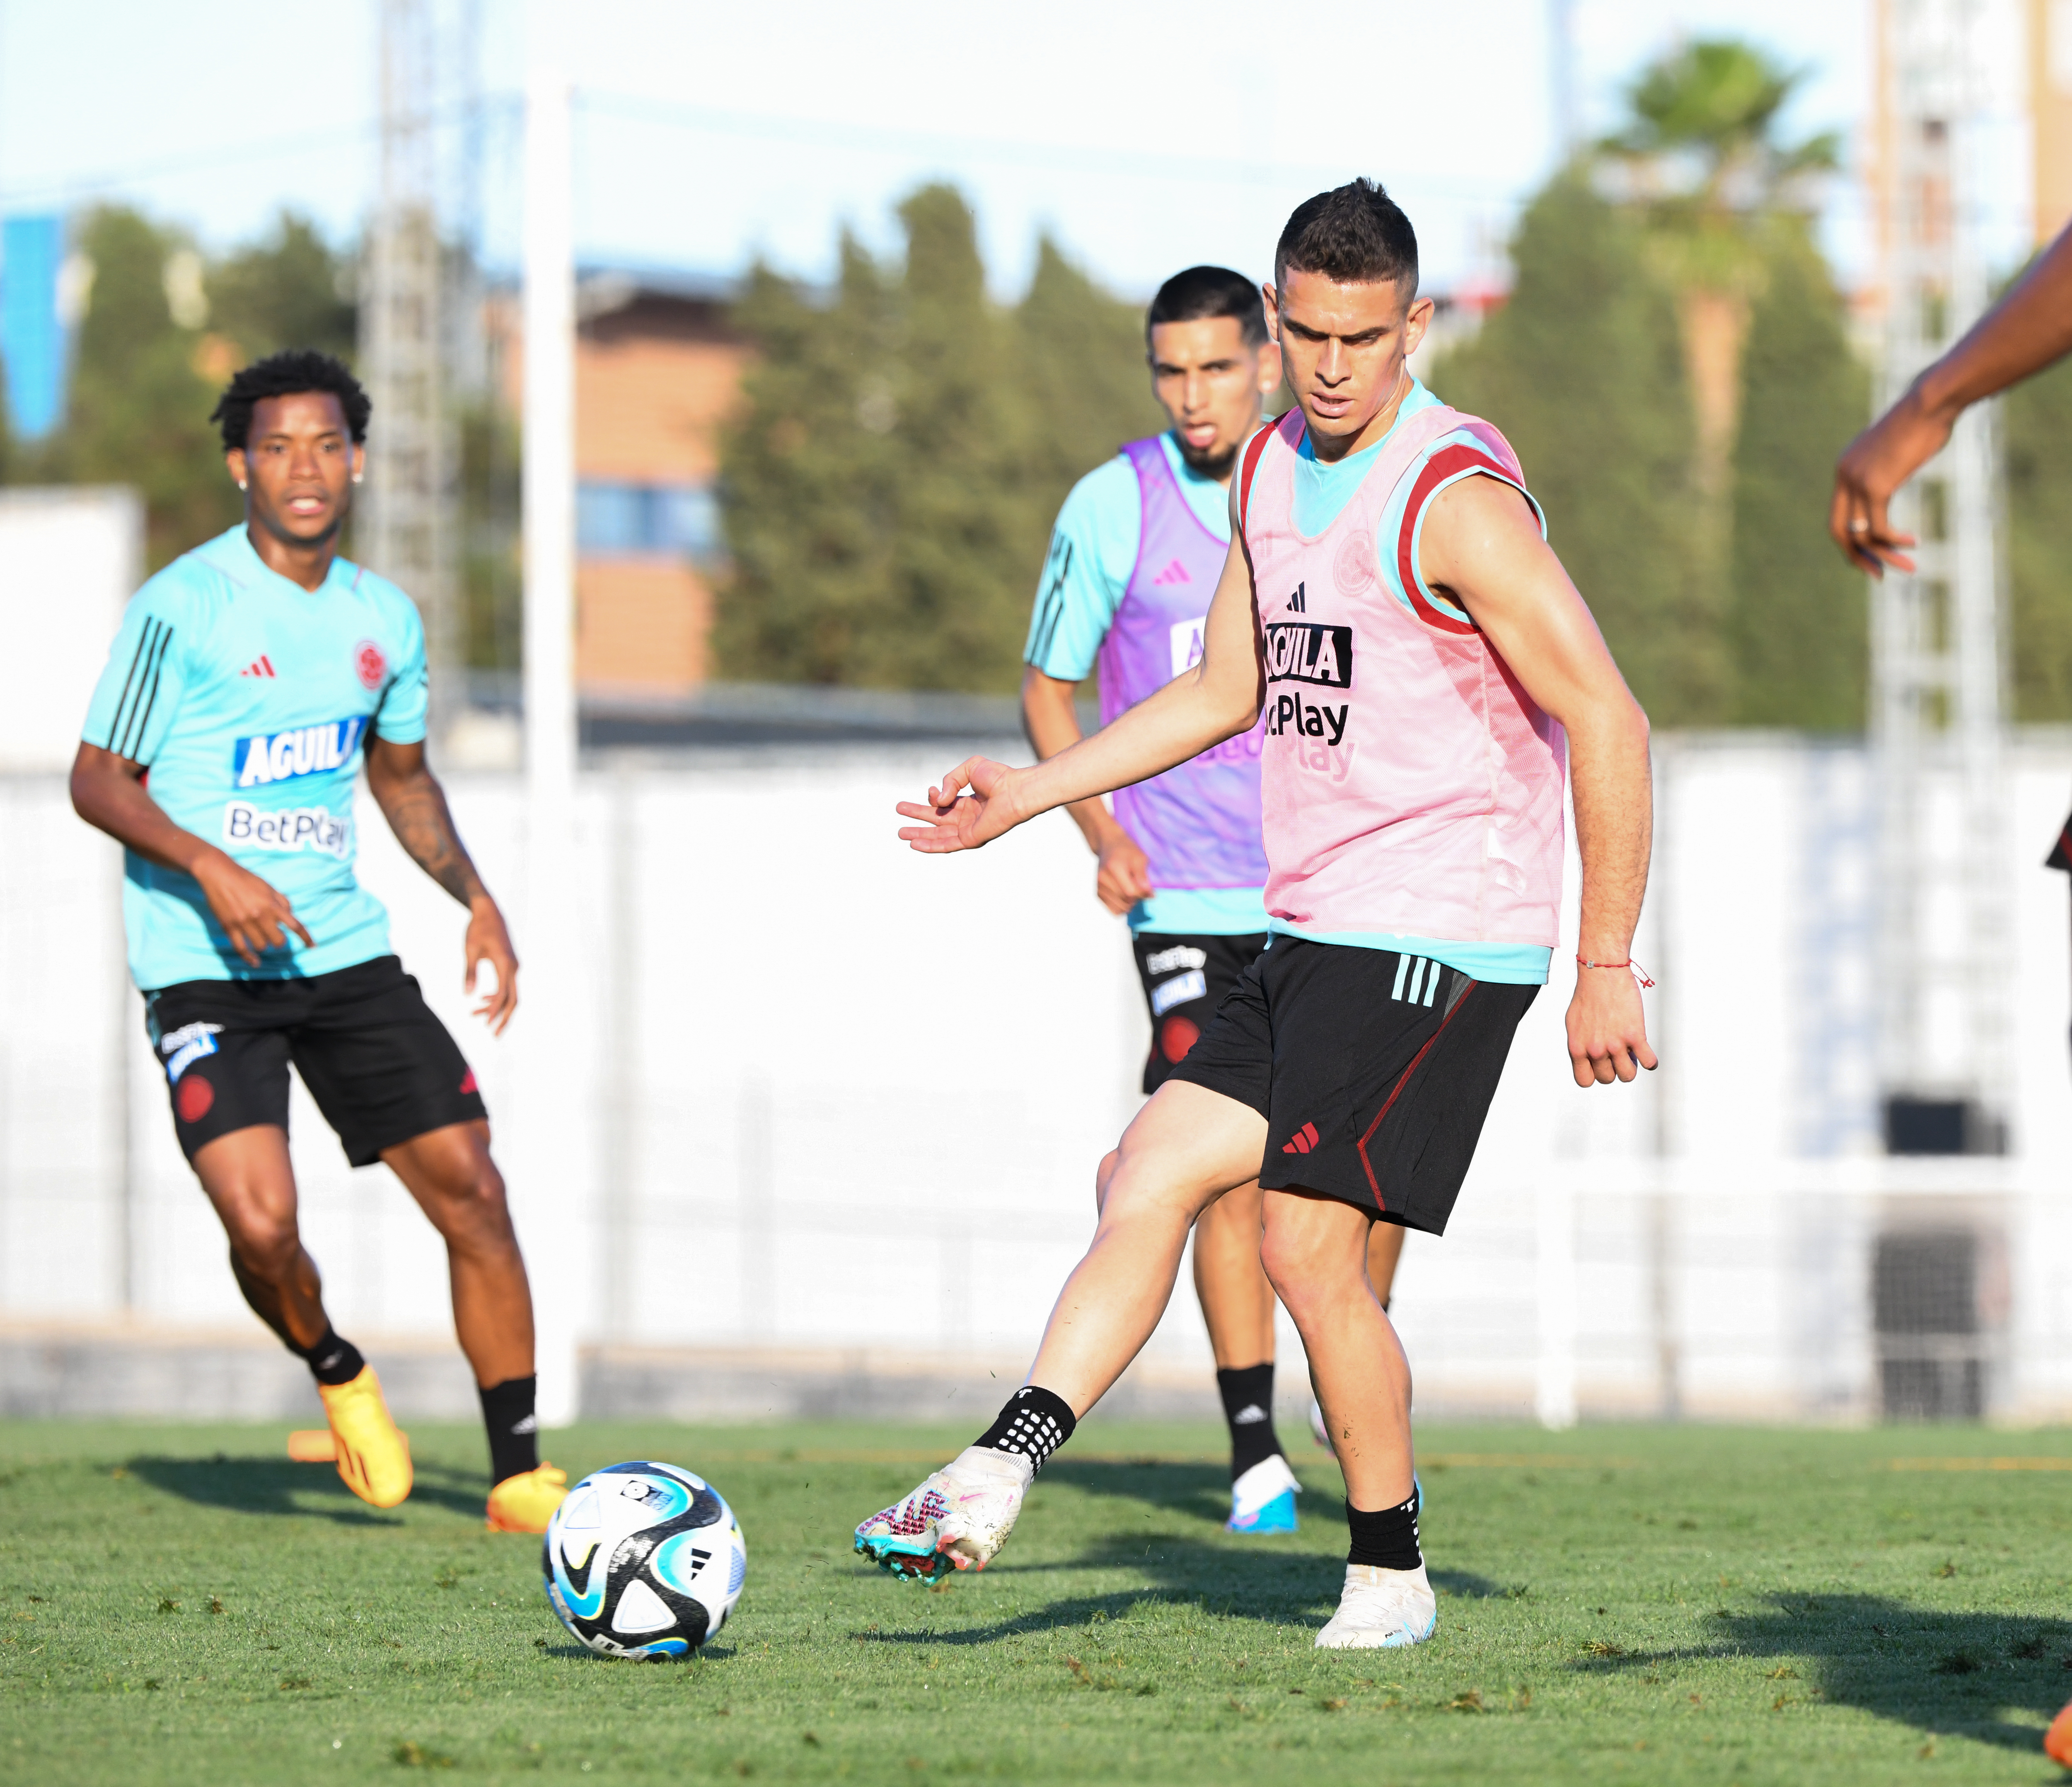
<point>1639,973</point>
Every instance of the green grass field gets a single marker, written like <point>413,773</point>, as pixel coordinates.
<point>182,1604</point>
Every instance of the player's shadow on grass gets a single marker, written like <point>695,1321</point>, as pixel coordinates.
<point>1276,1585</point>
<point>1201,1491</point>
<point>280,1487</point>
<point>1953,1674</point>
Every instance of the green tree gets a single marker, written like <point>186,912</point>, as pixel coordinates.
<point>900,450</point>
<point>2037,426</point>
<point>1798,623</point>
<point>290,289</point>
<point>139,412</point>
<point>1582,370</point>
<point>1083,354</point>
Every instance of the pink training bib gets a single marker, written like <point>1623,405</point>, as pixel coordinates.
<point>1410,786</point>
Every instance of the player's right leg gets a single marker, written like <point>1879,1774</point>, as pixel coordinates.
<point>1185,1149</point>
<point>249,1180</point>
<point>224,1050</point>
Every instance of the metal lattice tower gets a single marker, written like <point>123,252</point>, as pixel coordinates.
<point>408,515</point>
<point>1938,642</point>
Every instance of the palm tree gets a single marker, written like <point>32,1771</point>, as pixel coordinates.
<point>1700,159</point>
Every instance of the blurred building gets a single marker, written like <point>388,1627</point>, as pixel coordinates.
<point>657,368</point>
<point>2050,106</point>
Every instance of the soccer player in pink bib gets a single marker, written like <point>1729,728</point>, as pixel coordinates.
<point>1426,672</point>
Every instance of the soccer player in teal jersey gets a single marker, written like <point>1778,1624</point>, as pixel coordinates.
<point>1125,555</point>
<point>251,679</point>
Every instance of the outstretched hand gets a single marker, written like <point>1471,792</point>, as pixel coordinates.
<point>958,821</point>
<point>1880,459</point>
<point>1607,1029</point>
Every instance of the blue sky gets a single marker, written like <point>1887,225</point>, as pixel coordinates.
<point>1143,137</point>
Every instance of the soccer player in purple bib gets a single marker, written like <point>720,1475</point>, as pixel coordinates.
<point>1134,559</point>
<point>1427,674</point>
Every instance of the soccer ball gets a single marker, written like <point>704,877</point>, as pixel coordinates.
<point>644,1560</point>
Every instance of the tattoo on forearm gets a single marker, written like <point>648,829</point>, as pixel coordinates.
<point>423,825</point>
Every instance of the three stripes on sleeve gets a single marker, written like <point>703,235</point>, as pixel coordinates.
<point>127,731</point>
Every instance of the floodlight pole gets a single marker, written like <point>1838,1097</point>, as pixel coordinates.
<point>553,1096</point>
<point>1938,646</point>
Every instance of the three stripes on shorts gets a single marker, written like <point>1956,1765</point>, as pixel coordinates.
<point>1423,976</point>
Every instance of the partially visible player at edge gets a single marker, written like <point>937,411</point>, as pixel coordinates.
<point>1134,558</point>
<point>2028,330</point>
<point>1391,604</point>
<point>250,680</point>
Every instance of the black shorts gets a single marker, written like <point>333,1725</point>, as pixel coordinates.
<point>380,1066</point>
<point>1373,1072</point>
<point>1184,979</point>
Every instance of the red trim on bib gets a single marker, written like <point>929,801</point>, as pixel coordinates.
<point>1448,463</point>
<point>1253,454</point>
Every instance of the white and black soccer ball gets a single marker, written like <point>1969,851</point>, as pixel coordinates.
<point>645,1560</point>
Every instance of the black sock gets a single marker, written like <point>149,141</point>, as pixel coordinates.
<point>1033,1422</point>
<point>1386,1538</point>
<point>334,1359</point>
<point>1248,1407</point>
<point>514,1430</point>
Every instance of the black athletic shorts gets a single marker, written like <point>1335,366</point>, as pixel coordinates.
<point>380,1066</point>
<point>1373,1072</point>
<point>1184,979</point>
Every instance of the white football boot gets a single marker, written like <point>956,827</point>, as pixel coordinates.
<point>1382,1610</point>
<point>957,1519</point>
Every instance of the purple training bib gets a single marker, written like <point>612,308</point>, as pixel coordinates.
<point>1197,823</point>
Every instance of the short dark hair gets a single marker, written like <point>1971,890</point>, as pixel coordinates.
<point>1201,293</point>
<point>1356,235</point>
<point>285,375</point>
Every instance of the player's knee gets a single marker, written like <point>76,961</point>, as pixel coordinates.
<point>1103,1174</point>
<point>1298,1268</point>
<point>470,1206</point>
<point>266,1248</point>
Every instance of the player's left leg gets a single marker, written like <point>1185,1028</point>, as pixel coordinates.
<point>451,1174</point>
<point>1384,1253</point>
<point>393,1083</point>
<point>1315,1253</point>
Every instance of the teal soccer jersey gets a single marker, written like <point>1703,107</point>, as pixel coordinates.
<point>248,699</point>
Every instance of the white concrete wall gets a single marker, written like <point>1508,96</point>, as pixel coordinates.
<point>69,559</point>
<point>832,1094</point>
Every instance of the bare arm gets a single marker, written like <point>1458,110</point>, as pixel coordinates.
<point>1216,700</point>
<point>108,792</point>
<point>1123,877</point>
<point>1482,544</point>
<point>415,806</point>
<point>2028,330</point>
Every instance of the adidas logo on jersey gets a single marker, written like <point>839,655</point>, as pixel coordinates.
<point>301,750</point>
<point>1174,573</point>
<point>260,666</point>
<point>1305,1139</point>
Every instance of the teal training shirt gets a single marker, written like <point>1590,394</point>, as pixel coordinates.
<point>248,699</point>
<point>1093,551</point>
